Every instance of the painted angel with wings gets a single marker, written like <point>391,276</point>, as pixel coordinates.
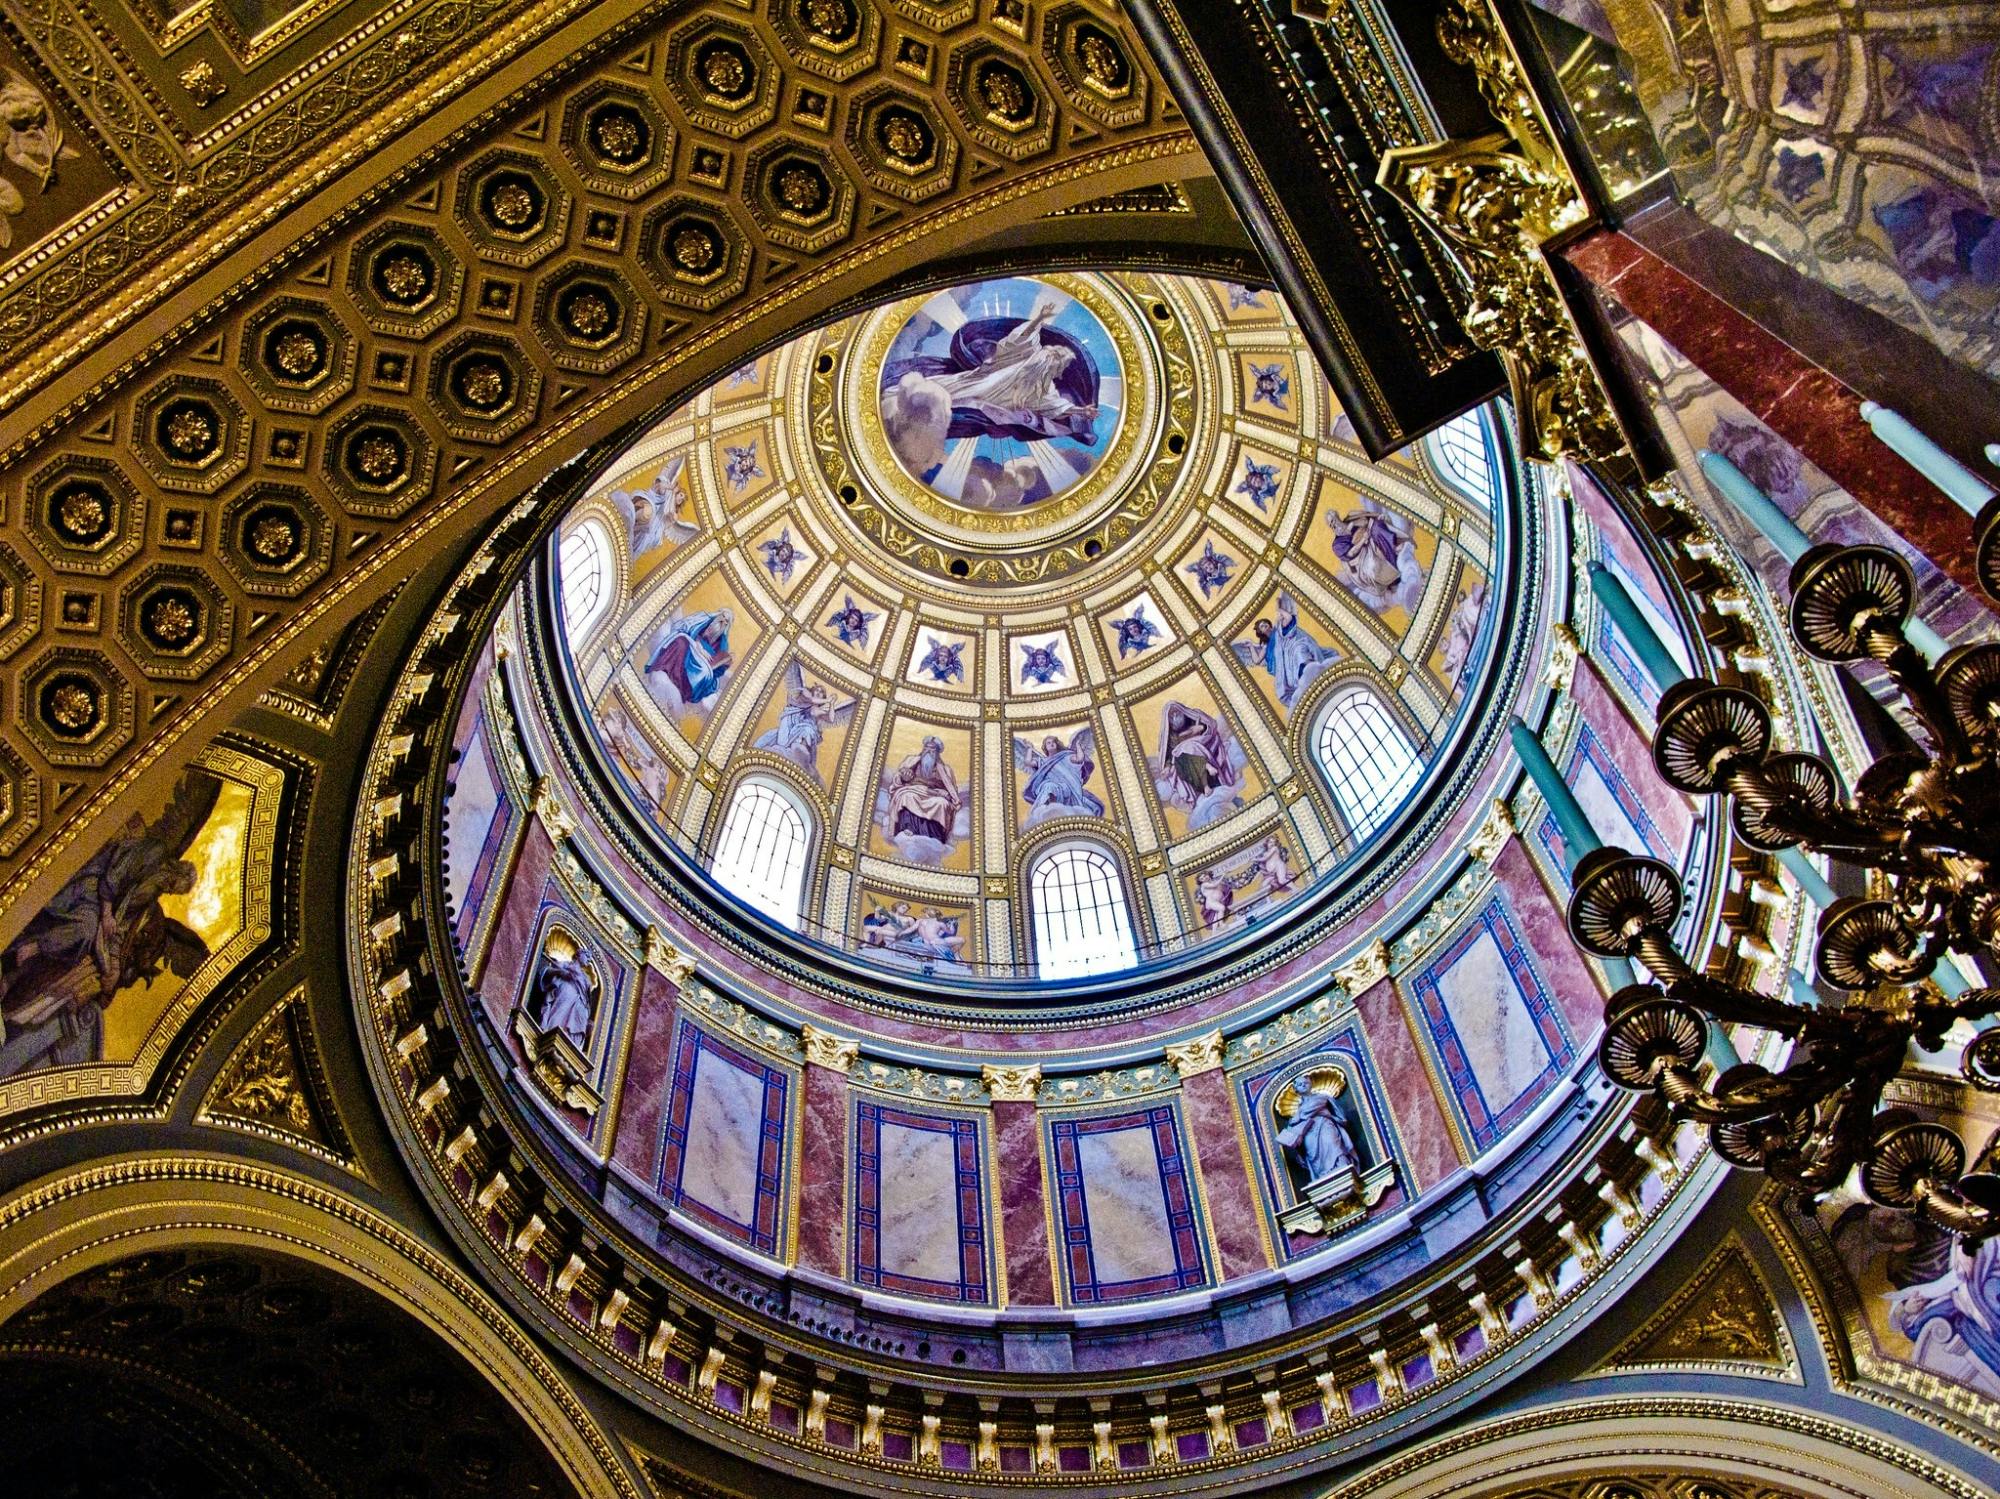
<point>1055,778</point>
<point>653,515</point>
<point>808,713</point>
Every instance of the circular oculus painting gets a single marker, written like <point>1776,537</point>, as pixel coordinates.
<point>1000,395</point>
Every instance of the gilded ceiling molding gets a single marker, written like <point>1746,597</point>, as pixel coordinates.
<point>1724,1319</point>
<point>1499,202</point>
<point>274,1086</point>
<point>72,1222</point>
<point>264,472</point>
<point>1740,1441</point>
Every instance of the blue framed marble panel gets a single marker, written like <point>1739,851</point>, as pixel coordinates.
<point>919,1220</point>
<point>725,1151</point>
<point>1609,801</point>
<point>479,840</point>
<point>1128,1217</point>
<point>1496,1037</point>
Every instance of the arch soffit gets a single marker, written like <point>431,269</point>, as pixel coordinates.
<point>1741,1440</point>
<point>72,1222</point>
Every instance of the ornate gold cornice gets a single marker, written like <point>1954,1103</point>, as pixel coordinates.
<point>1011,1082</point>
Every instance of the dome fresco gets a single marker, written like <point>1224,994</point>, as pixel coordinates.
<point>1077,579</point>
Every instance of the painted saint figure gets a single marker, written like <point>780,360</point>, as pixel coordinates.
<point>1287,650</point>
<point>104,932</point>
<point>1317,1138</point>
<point>1199,765</point>
<point>921,809</point>
<point>693,658</point>
<point>1055,778</point>
<point>1376,555</point>
<point>808,713</point>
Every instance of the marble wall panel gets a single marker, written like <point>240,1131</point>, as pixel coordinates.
<point>1024,1212</point>
<point>823,1163</point>
<point>1611,802</point>
<point>1126,1206</point>
<point>920,1204</point>
<point>479,831</point>
<point>500,973</point>
<point>1429,1150</point>
<point>1499,1039</point>
<point>648,1065</point>
<point>723,1158</point>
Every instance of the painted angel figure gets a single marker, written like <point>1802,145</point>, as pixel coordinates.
<point>33,142</point>
<point>1135,632</point>
<point>1211,569</point>
<point>850,622</point>
<point>1215,895</point>
<point>1199,766</point>
<point>808,713</point>
<point>944,661</point>
<point>687,669</point>
<point>1040,664</point>
<point>1274,862</point>
<point>1055,779</point>
<point>1375,554</point>
<point>888,926</point>
<point>103,932</point>
<point>641,762</point>
<point>781,554</point>
<point>1461,631</point>
<point>1259,483</point>
<point>654,515</point>
<point>740,466</point>
<point>1271,385</point>
<point>937,937</point>
<point>1287,650</point>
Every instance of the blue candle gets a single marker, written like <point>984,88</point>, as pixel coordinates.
<point>1579,837</point>
<point>1638,632</point>
<point>1927,458</point>
<point>1757,507</point>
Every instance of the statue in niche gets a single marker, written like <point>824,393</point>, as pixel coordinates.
<point>554,1023</point>
<point>1325,1153</point>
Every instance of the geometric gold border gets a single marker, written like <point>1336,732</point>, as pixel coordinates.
<point>130,1079</point>
<point>1781,1364</point>
<point>1853,1365</point>
<point>66,1224</point>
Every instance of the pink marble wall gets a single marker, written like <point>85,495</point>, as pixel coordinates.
<point>1632,751</point>
<point>823,1172</point>
<point>507,955</point>
<point>636,1144</point>
<point>1540,922</point>
<point>1234,1211</point>
<point>1429,1152</point>
<point>1024,1214</point>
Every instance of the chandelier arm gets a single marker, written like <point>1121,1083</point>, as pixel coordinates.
<point>1918,684</point>
<point>1729,1005</point>
<point>1949,1208</point>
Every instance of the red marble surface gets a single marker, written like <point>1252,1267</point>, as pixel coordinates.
<point>1420,1122</point>
<point>514,929</point>
<point>1812,409</point>
<point>1234,1214</point>
<point>1024,1214</point>
<point>1540,922</point>
<point>822,1202</point>
<point>648,1064</point>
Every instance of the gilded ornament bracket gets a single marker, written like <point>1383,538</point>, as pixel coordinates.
<point>1500,202</point>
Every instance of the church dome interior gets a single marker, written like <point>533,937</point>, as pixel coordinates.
<point>753,749</point>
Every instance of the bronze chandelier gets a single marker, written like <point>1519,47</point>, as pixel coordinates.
<point>1926,821</point>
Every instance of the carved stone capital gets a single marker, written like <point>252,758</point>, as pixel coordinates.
<point>1010,1082</point>
<point>545,805</point>
<point>1202,1054</point>
<point>1365,971</point>
<point>664,957</point>
<point>1492,834</point>
<point>1564,652</point>
<point>825,1049</point>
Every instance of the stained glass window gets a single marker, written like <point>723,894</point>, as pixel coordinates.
<point>1077,905</point>
<point>1460,449</point>
<point>761,855</point>
<point>1366,758</point>
<point>584,567</point>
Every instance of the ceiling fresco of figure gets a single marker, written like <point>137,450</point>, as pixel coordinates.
<point>1024,562</point>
